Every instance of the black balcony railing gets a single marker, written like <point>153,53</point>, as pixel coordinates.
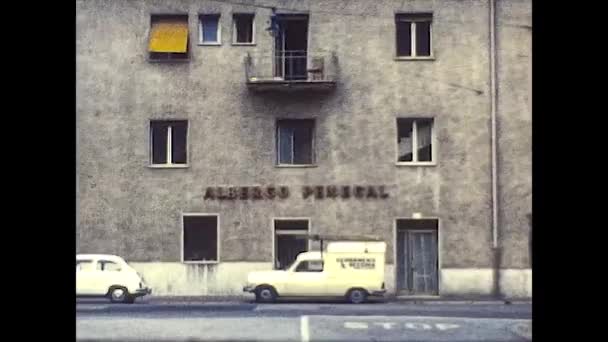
<point>290,65</point>
<point>293,69</point>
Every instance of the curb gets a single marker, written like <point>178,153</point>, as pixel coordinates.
<point>216,300</point>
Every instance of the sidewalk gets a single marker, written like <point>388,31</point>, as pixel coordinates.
<point>388,299</point>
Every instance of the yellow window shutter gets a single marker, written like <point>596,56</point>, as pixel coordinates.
<point>169,36</point>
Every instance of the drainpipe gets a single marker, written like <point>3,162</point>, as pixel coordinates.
<point>493,91</point>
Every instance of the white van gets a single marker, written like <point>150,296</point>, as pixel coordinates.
<point>351,269</point>
<point>104,275</point>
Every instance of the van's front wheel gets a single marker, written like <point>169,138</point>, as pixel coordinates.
<point>265,294</point>
<point>356,296</point>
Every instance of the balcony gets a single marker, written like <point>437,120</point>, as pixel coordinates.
<point>291,70</point>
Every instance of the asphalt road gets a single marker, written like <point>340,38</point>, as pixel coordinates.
<point>98,320</point>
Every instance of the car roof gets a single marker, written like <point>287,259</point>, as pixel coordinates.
<point>99,256</point>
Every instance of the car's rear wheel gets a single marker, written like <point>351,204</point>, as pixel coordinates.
<point>265,294</point>
<point>119,294</point>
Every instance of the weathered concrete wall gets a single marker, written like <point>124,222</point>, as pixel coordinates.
<point>129,209</point>
<point>514,69</point>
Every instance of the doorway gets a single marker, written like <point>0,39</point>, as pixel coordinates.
<point>291,47</point>
<point>417,257</point>
<point>291,239</point>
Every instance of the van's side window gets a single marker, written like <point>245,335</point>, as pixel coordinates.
<point>310,266</point>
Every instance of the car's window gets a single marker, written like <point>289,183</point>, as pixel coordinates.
<point>310,266</point>
<point>106,265</point>
<point>84,265</point>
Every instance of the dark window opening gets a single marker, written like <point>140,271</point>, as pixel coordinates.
<point>169,142</point>
<point>290,240</point>
<point>243,24</point>
<point>291,47</point>
<point>413,34</point>
<point>210,28</point>
<point>404,40</point>
<point>404,139</point>
<point>423,38</point>
<point>295,142</point>
<point>415,140</point>
<point>200,238</point>
<point>168,39</point>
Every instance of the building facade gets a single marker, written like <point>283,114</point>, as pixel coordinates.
<point>212,136</point>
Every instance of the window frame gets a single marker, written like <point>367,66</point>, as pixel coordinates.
<point>103,262</point>
<point>415,161</point>
<point>188,53</point>
<point>218,251</point>
<point>201,42</point>
<point>169,164</point>
<point>234,29</point>
<point>295,269</point>
<point>313,144</point>
<point>413,18</point>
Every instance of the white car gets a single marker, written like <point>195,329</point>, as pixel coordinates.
<point>102,275</point>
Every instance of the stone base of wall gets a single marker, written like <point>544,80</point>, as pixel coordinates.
<point>228,278</point>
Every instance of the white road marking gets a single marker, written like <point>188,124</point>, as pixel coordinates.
<point>304,329</point>
<point>355,325</point>
<point>418,326</point>
<point>446,326</point>
<point>387,325</point>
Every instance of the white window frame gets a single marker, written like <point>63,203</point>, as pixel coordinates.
<point>297,232</point>
<point>313,145</point>
<point>413,21</point>
<point>200,29</point>
<point>234,35</point>
<point>212,262</point>
<point>415,161</point>
<point>168,164</point>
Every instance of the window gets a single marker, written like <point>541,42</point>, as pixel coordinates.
<point>169,143</point>
<point>310,266</point>
<point>84,265</point>
<point>169,38</point>
<point>210,31</point>
<point>290,240</point>
<point>243,28</point>
<point>415,140</point>
<point>414,35</point>
<point>105,265</point>
<point>295,142</point>
<point>200,238</point>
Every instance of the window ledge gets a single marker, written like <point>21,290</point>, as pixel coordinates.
<point>209,44</point>
<point>416,164</point>
<point>169,166</point>
<point>208,262</point>
<point>244,44</point>
<point>287,166</point>
<point>425,58</point>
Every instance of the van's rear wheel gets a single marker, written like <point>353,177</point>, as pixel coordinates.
<point>265,294</point>
<point>356,296</point>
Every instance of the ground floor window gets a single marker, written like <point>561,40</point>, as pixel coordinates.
<point>200,238</point>
<point>290,240</point>
<point>417,256</point>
